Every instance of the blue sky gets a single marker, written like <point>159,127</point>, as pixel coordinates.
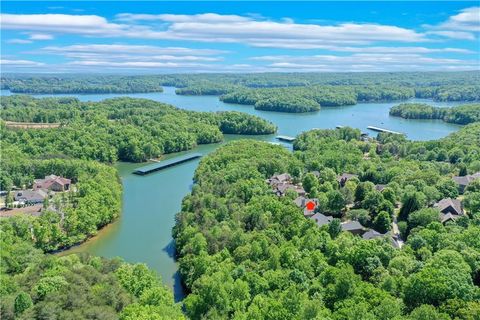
<point>169,37</point>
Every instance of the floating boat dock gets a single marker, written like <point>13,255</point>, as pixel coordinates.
<point>285,138</point>
<point>382,130</point>
<point>166,164</point>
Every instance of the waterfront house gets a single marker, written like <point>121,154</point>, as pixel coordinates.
<point>464,181</point>
<point>30,196</point>
<point>53,183</point>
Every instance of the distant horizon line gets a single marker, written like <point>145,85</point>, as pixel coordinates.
<point>232,73</point>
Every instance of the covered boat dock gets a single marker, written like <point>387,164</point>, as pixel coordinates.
<point>166,164</point>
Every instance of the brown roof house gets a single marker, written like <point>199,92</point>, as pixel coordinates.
<point>52,182</point>
<point>464,181</point>
<point>450,209</point>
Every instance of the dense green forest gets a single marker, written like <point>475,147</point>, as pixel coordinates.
<point>34,285</point>
<point>245,253</point>
<point>82,85</point>
<point>451,83</point>
<point>118,129</point>
<point>463,114</point>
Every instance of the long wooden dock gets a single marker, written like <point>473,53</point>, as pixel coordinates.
<point>382,130</point>
<point>285,138</point>
<point>166,164</point>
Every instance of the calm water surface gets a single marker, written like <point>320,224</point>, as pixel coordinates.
<point>144,231</point>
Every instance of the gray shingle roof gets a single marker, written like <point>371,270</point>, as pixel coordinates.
<point>465,180</point>
<point>352,225</point>
<point>371,234</point>
<point>321,219</point>
<point>30,195</point>
<point>449,205</point>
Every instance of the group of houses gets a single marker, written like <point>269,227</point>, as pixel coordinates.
<point>452,209</point>
<point>449,209</point>
<point>282,182</point>
<point>41,190</point>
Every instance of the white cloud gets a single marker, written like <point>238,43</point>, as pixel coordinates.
<point>460,35</point>
<point>18,41</point>
<point>210,27</point>
<point>40,36</point>
<point>365,62</point>
<point>463,25</point>
<point>62,23</point>
<point>467,20</point>
<point>135,64</point>
<point>130,49</point>
<point>132,56</point>
<point>20,63</point>
<point>205,17</point>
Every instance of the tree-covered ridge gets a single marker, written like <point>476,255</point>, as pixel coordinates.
<point>463,114</point>
<point>121,128</point>
<point>40,286</point>
<point>431,81</point>
<point>246,253</point>
<point>82,85</point>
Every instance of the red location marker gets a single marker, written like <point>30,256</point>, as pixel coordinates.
<point>310,205</point>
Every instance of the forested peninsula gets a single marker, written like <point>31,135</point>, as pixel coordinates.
<point>463,114</point>
<point>117,129</point>
<point>246,252</point>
